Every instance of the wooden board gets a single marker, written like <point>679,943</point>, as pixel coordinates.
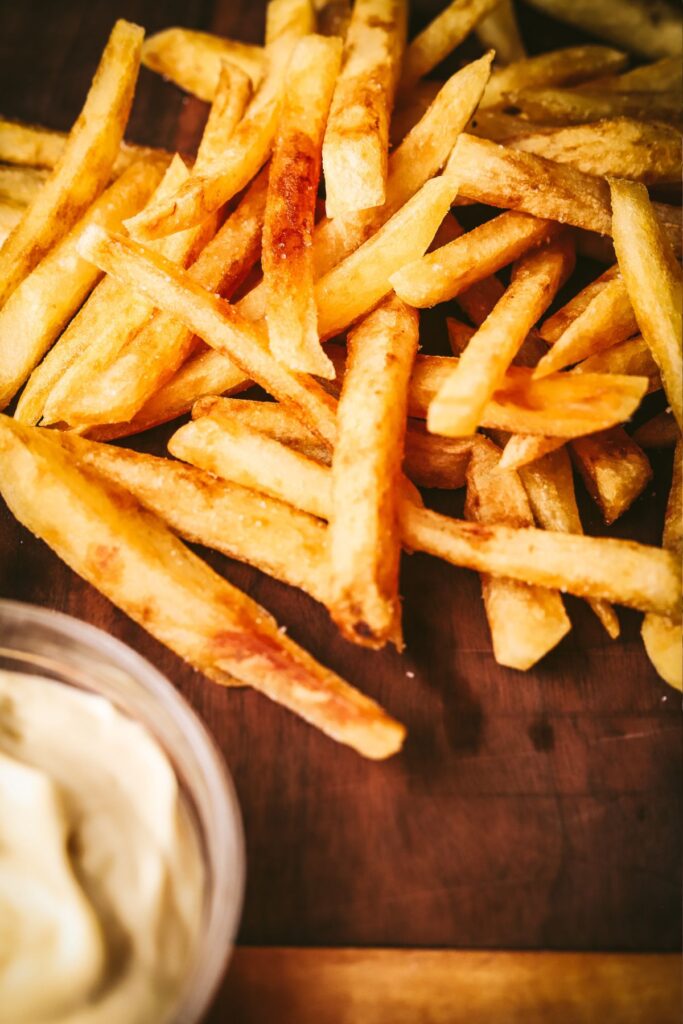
<point>537,810</point>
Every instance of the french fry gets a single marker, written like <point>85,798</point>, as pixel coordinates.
<point>364,538</point>
<point>442,35</point>
<point>549,484</point>
<point>290,209</point>
<point>557,67</point>
<point>411,108</point>
<point>617,570</point>
<point>357,284</point>
<point>193,59</point>
<point>653,281</point>
<point>275,538</point>
<point>659,432</point>
<point>607,320</point>
<point>665,75</point>
<point>499,31</point>
<point>10,215</point>
<point>214,320</point>
<point>614,469</point>
<point>445,272</point>
<point>287,20</point>
<point>459,405</point>
<point>20,184</point>
<point>499,126</point>
<point>662,637</point>
<point>102,533</point>
<point>631,149</point>
<point>429,460</point>
<point>552,329</point>
<point>153,354</point>
<point>40,307</point>
<point>579,107</point>
<point>86,164</point>
<point>209,188</point>
<point>35,146</point>
<point>651,28</point>
<point>523,181</point>
<point>525,621</point>
<point>231,99</point>
<point>356,140</point>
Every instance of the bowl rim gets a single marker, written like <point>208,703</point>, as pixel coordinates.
<point>224,897</point>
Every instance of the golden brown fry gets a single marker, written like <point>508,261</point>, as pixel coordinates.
<point>20,184</point>
<point>10,215</point>
<point>233,93</point>
<point>663,637</point>
<point>86,164</point>
<point>659,432</point>
<point>214,320</point>
<point>445,272</point>
<point>39,309</point>
<point>653,281</point>
<point>665,75</point>
<point>549,484</point>
<point>578,106</point>
<point>290,209</point>
<point>523,181</point>
<point>153,354</point>
<point>357,136</point>
<point>288,19</point>
<point>621,571</point>
<point>607,320</point>
<point>631,149</point>
<point>459,405</point>
<point>555,326</point>
<point>193,59</point>
<point>526,621</point>
<point>364,537</point>
<point>102,533</point>
<point>499,31</point>
<point>557,67</point>
<point>35,146</point>
<point>441,36</point>
<point>651,28</point>
<point>614,469</point>
<point>275,538</point>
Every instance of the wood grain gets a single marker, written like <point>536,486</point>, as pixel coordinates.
<point>537,810</point>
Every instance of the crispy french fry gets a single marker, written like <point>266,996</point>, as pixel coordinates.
<point>288,19</point>
<point>651,28</point>
<point>108,316</point>
<point>193,59</point>
<point>86,164</point>
<point>38,310</point>
<point>665,75</point>
<point>357,136</point>
<point>357,284</point>
<point>499,126</point>
<point>232,97</point>
<point>579,107</point>
<point>614,469</point>
<point>10,215</point>
<point>631,149</point>
<point>445,272</point>
<point>35,146</point>
<point>459,405</point>
<point>441,36</point>
<point>526,621</point>
<point>653,281</point>
<point>523,181</point>
<point>662,637</point>
<point>157,350</point>
<point>617,570</point>
<point>659,432</point>
<point>364,538</point>
<point>499,31</point>
<point>290,209</point>
<point>214,320</point>
<point>249,147</point>
<point>102,533</point>
<point>429,460</point>
<point>552,328</point>
<point>20,184</point>
<point>276,538</point>
<point>549,484</point>
<point>607,320</point>
<point>557,67</point>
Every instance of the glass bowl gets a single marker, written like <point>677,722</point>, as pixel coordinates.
<point>44,642</point>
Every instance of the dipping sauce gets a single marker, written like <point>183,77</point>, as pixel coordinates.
<point>101,874</point>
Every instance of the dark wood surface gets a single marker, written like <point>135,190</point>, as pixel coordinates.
<point>536,810</point>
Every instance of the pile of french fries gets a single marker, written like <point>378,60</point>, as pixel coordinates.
<point>137,286</point>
